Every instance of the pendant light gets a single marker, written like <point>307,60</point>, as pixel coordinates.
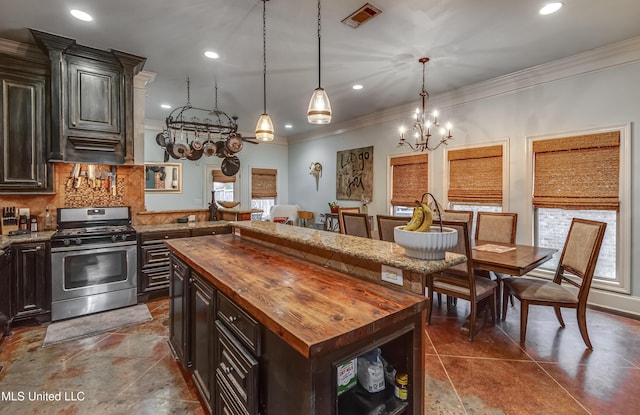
<point>319,111</point>
<point>264,128</point>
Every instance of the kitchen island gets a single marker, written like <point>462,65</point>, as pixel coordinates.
<point>261,331</point>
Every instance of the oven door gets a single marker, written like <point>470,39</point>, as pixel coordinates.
<point>92,269</point>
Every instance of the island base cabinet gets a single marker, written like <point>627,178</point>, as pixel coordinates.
<point>178,316</point>
<point>202,335</point>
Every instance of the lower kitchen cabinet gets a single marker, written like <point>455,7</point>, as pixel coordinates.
<point>202,312</point>
<point>31,292</point>
<point>178,312</point>
<point>5,292</point>
<point>153,260</point>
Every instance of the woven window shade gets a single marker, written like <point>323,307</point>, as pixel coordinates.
<point>410,179</point>
<point>219,177</point>
<point>475,175</point>
<point>577,173</point>
<point>263,183</point>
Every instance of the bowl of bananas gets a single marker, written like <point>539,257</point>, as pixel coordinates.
<point>421,240</point>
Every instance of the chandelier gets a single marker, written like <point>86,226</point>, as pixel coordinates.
<point>425,124</point>
<point>193,132</point>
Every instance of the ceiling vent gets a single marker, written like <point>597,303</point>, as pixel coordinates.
<point>362,15</point>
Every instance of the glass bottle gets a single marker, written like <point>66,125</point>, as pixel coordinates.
<point>48,220</point>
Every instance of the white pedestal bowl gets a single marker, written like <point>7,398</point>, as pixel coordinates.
<point>426,245</point>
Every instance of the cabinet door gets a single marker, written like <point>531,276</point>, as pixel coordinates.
<point>178,317</point>
<point>94,97</point>
<point>31,289</point>
<point>202,316</point>
<point>5,292</point>
<point>22,134</point>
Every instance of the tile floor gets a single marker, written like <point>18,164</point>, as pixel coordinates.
<point>131,370</point>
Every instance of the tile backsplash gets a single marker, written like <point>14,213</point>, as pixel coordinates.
<point>129,192</point>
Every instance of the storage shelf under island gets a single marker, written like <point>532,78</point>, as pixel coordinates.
<point>296,321</point>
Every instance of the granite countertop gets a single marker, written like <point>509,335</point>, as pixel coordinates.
<point>388,253</point>
<point>174,226</point>
<point>6,240</point>
<point>236,210</point>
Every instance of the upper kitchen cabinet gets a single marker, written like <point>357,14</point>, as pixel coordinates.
<point>23,123</point>
<point>91,101</point>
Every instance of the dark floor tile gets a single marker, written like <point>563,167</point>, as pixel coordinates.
<point>508,386</point>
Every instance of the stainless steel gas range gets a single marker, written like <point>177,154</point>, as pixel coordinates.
<point>93,261</point>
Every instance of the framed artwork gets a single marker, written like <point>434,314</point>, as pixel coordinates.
<point>354,174</point>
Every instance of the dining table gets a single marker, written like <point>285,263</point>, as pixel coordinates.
<point>508,258</point>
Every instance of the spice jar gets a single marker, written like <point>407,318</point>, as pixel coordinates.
<point>401,387</point>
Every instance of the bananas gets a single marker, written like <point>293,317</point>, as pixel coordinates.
<point>416,218</point>
<point>421,220</point>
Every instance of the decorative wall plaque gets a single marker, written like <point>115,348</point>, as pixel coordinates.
<point>354,174</point>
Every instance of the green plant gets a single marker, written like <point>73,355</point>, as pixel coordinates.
<point>332,204</point>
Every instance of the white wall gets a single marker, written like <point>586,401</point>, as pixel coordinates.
<point>193,194</point>
<point>592,90</point>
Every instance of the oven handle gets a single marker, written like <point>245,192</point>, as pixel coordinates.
<point>89,247</point>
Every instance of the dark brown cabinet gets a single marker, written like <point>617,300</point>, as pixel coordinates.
<point>153,260</point>
<point>91,101</point>
<point>31,281</point>
<point>202,312</point>
<point>5,292</point>
<point>178,313</point>
<point>23,127</point>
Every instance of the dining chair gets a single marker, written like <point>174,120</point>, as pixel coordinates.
<point>345,209</point>
<point>386,224</point>
<point>460,280</point>
<point>496,227</point>
<point>459,215</point>
<point>575,268</point>
<point>356,224</point>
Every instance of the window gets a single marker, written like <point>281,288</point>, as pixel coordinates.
<point>580,176</point>
<point>223,186</point>
<point>476,179</point>
<point>409,181</point>
<point>263,189</point>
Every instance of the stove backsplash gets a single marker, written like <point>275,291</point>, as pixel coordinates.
<point>129,192</point>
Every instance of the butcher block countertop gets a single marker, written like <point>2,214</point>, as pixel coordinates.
<point>388,253</point>
<point>314,309</point>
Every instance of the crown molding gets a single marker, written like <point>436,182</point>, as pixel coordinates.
<point>606,57</point>
<point>22,50</point>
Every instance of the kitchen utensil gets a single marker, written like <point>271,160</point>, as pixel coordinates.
<point>209,148</point>
<point>91,175</point>
<point>162,138</point>
<point>219,149</point>
<point>113,180</point>
<point>76,175</point>
<point>234,143</point>
<point>230,166</point>
<point>195,153</point>
<point>181,150</point>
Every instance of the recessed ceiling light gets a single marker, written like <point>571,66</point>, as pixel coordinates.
<point>357,86</point>
<point>551,8</point>
<point>80,15</point>
<point>288,126</point>
<point>211,54</point>
<point>165,106</point>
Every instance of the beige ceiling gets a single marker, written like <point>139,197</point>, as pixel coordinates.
<point>468,41</point>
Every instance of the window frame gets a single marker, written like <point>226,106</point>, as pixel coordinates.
<point>622,282</point>
<point>208,187</point>
<point>265,212</point>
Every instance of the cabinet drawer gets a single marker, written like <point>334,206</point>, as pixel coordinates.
<point>154,255</point>
<point>154,236</point>
<point>227,404</point>
<point>156,278</point>
<point>211,231</point>
<point>240,323</point>
<point>236,371</point>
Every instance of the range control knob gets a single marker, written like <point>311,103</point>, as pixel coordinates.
<point>114,238</point>
<point>78,241</point>
<point>123,237</point>
<point>66,242</point>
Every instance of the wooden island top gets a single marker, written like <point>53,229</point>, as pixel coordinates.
<point>314,309</point>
